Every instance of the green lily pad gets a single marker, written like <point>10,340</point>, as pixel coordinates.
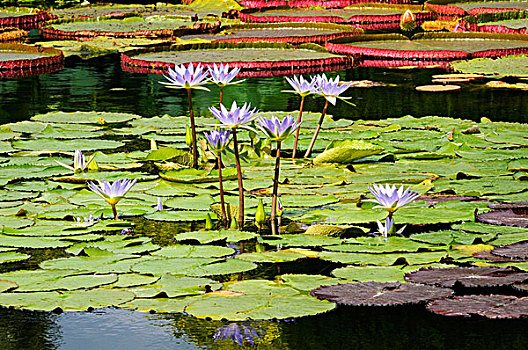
<point>53,145</point>
<point>261,300</point>
<point>97,260</point>
<point>9,257</point>
<point>451,237</point>
<point>306,283</point>
<point>271,256</point>
<point>128,280</point>
<point>198,176</point>
<point>201,203</point>
<point>69,301</point>
<point>192,251</point>
<point>179,215</point>
<point>160,305</point>
<point>31,242</point>
<point>205,237</point>
<point>380,245</point>
<point>177,266</point>
<point>176,286</point>
<point>6,286</point>
<point>370,273</point>
<point>100,118</point>
<point>221,268</point>
<point>301,240</point>
<point>14,222</point>
<point>344,152</point>
<point>383,259</point>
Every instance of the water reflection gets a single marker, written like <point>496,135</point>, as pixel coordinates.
<point>101,85</point>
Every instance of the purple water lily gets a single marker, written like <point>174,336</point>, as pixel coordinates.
<point>188,78</point>
<point>236,116</point>
<point>330,88</point>
<point>112,193</point>
<point>222,76</point>
<point>276,130</point>
<point>237,332</point>
<point>218,139</point>
<point>304,88</point>
<point>79,162</point>
<point>391,198</point>
<point>159,204</point>
<point>385,229</point>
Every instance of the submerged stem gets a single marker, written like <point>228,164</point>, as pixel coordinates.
<point>240,186</point>
<point>220,184</point>
<point>312,143</point>
<point>275,190</point>
<point>193,130</point>
<point>297,132</point>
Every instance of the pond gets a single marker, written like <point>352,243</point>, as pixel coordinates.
<point>100,85</point>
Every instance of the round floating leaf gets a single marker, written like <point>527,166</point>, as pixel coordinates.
<point>271,256</point>
<point>180,215</point>
<point>510,217</point>
<point>100,118</point>
<point>221,268</point>
<point>159,266</point>
<point>53,145</point>
<point>347,151</point>
<point>205,237</point>
<point>476,227</point>
<point>515,250</point>
<point>97,260</point>
<point>198,176</point>
<point>450,237</point>
<point>6,286</point>
<point>383,259</point>
<point>490,306</point>
<point>308,282</point>
<point>128,280</point>
<point>380,245</point>
<point>160,305</point>
<point>300,240</point>
<point>380,294</point>
<point>193,251</point>
<point>256,300</point>
<point>510,238</point>
<point>175,286</point>
<point>9,257</point>
<point>201,203</point>
<point>14,222</point>
<point>467,276</point>
<point>31,242</point>
<point>370,273</point>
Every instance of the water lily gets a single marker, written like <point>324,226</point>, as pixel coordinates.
<point>391,198</point>
<point>159,204</point>
<point>234,118</point>
<point>188,78</point>
<point>112,193</point>
<point>385,229</point>
<point>79,163</point>
<point>218,140</point>
<point>88,219</point>
<point>237,332</point>
<point>331,90</point>
<point>303,88</point>
<point>222,76</point>
<point>277,131</point>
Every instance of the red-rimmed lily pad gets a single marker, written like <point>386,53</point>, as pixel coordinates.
<point>490,306</point>
<point>509,217</point>
<point>17,60</point>
<point>380,294</point>
<point>23,17</point>
<point>467,276</point>
<point>513,251</point>
<point>491,257</point>
<point>255,59</point>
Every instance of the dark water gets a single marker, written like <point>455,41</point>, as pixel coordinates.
<point>101,85</point>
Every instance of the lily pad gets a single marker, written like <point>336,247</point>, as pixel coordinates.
<point>370,273</point>
<point>271,256</point>
<point>100,118</point>
<point>205,237</point>
<point>191,251</point>
<point>176,286</point>
<point>380,294</point>
<point>489,306</point>
<point>53,145</point>
<point>515,251</point>
<point>509,217</point>
<point>467,276</point>
<point>344,152</point>
<point>227,267</point>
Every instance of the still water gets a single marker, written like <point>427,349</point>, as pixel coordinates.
<point>100,85</point>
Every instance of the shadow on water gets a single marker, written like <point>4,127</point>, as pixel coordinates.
<point>100,85</point>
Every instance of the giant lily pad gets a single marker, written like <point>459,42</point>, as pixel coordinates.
<point>490,306</point>
<point>380,294</point>
<point>101,118</point>
<point>509,217</point>
<point>516,250</point>
<point>370,273</point>
<point>467,276</point>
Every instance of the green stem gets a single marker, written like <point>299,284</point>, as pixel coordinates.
<point>222,204</point>
<point>312,143</point>
<point>275,190</point>
<point>297,132</point>
<point>193,131</point>
<point>240,186</point>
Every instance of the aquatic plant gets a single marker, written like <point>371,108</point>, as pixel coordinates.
<point>236,117</point>
<point>237,332</point>
<point>112,193</point>
<point>387,228</point>
<point>390,198</point>
<point>260,216</point>
<point>159,205</point>
<point>331,90</point>
<point>222,76</point>
<point>218,140</point>
<point>408,21</point>
<point>303,88</point>
<point>79,162</point>
<point>188,78</point>
<point>280,209</point>
<point>277,131</point>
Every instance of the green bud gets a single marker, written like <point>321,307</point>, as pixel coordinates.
<point>260,215</point>
<point>233,224</point>
<point>188,136</point>
<point>208,223</point>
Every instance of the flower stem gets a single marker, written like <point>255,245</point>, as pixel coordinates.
<point>240,186</point>
<point>193,130</point>
<point>222,204</point>
<point>312,143</point>
<point>275,190</point>
<point>297,132</point>
<point>115,212</point>
<point>221,94</point>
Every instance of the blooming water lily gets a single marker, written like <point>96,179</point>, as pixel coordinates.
<point>112,193</point>
<point>391,198</point>
<point>79,163</point>
<point>222,76</point>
